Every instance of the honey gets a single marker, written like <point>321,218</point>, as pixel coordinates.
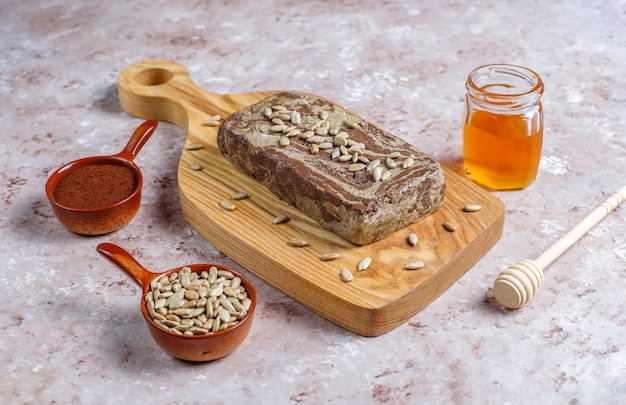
<point>503,126</point>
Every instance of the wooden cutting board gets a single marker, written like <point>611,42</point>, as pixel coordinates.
<point>377,299</point>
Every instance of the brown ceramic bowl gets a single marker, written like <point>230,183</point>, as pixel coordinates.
<point>103,219</point>
<point>191,348</point>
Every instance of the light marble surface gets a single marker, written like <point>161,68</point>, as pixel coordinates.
<point>70,328</point>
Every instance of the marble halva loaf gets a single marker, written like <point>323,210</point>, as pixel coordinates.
<point>353,178</point>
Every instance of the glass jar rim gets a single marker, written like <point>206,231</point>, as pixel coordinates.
<point>519,73</point>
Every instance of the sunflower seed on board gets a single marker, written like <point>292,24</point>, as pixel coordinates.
<point>210,122</point>
<point>364,264</point>
<point>346,275</point>
<point>449,226</point>
<point>416,265</point>
<point>412,239</point>
<point>296,242</point>
<point>329,256</point>
<point>280,218</point>
<point>472,208</point>
<point>194,146</point>
<point>241,195</point>
<point>227,205</point>
<point>195,166</point>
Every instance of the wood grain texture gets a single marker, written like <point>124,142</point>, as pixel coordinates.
<point>379,298</point>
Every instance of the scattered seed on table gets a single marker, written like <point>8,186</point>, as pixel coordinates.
<point>416,265</point>
<point>195,166</point>
<point>280,218</point>
<point>412,239</point>
<point>364,264</point>
<point>449,226</point>
<point>472,208</point>
<point>298,242</point>
<point>194,146</point>
<point>346,275</point>
<point>227,205</point>
<point>329,256</point>
<point>210,122</point>
<point>242,195</point>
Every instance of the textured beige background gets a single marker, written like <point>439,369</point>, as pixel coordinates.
<point>70,329</point>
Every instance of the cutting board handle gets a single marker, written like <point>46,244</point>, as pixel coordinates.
<point>163,90</point>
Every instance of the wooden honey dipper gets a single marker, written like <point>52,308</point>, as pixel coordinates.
<point>517,284</point>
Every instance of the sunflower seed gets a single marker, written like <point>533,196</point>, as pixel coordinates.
<point>378,173</point>
<point>315,148</point>
<point>345,158</point>
<point>242,195</point>
<point>227,205</point>
<point>284,141</point>
<point>195,166</point>
<point>386,175</point>
<point>298,242</point>
<point>326,145</point>
<point>307,134</point>
<point>356,167</point>
<point>391,164</point>
<point>194,146</point>
<point>412,239</point>
<point>329,256</point>
<point>322,131</point>
<point>472,208</point>
<point>316,139</point>
<point>416,265</point>
<point>364,264</point>
<point>350,124</point>
<point>346,275</point>
<point>210,122</point>
<point>278,128</point>
<point>449,226</point>
<point>267,112</point>
<point>279,108</point>
<point>408,162</point>
<point>324,115</point>
<point>280,218</point>
<point>373,165</point>
<point>278,121</point>
<point>394,155</point>
<point>295,118</point>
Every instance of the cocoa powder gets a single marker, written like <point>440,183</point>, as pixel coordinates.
<point>95,186</point>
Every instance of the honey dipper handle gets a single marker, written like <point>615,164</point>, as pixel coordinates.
<point>516,285</point>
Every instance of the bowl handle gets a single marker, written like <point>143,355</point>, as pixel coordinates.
<point>127,263</point>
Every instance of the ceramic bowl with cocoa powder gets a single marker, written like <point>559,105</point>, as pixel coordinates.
<point>100,194</point>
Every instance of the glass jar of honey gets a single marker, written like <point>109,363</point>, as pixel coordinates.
<point>503,126</point>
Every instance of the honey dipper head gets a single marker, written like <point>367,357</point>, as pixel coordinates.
<point>517,284</point>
